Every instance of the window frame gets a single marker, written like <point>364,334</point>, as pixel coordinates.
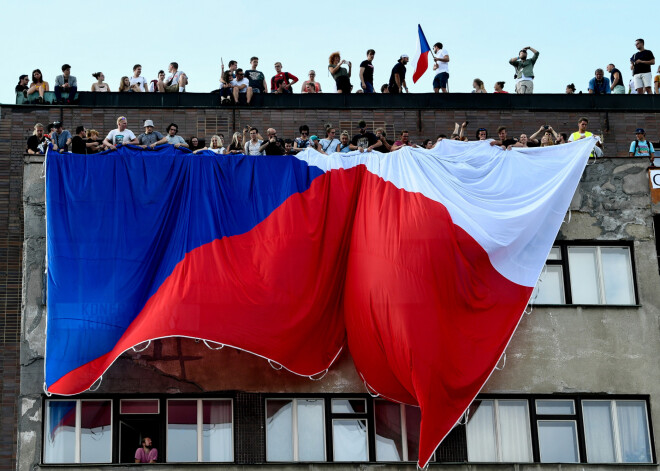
<point>564,246</point>
<point>200,428</point>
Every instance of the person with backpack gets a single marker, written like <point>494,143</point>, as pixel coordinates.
<point>640,147</point>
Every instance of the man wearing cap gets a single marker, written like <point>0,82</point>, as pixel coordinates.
<point>364,140</point>
<point>640,147</point>
<point>65,83</point>
<point>149,137</point>
<point>61,138</point>
<point>524,70</point>
<point>398,76</point>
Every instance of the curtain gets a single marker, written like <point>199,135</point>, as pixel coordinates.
<point>598,433</point>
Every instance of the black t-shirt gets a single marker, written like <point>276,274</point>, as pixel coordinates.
<point>256,79</point>
<point>382,148</point>
<point>21,88</point>
<point>368,71</point>
<point>400,69</point>
<point>364,140</point>
<point>275,148</point>
<point>78,145</point>
<point>644,55</point>
<point>33,143</point>
<point>612,77</point>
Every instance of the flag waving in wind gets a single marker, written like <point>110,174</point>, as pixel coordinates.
<point>422,61</point>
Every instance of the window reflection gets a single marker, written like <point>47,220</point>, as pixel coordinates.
<point>60,439</point>
<point>182,430</point>
<point>350,439</point>
<point>96,432</point>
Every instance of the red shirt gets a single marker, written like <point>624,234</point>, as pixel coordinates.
<point>282,77</point>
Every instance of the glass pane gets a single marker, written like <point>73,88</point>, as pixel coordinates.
<point>558,441</point>
<point>413,422</point>
<point>349,406</point>
<point>555,407</point>
<point>389,439</point>
<point>182,430</point>
<point>60,440</point>
<point>584,278</point>
<point>617,275</point>
<point>555,254</point>
<point>217,441</point>
<point>481,432</point>
<point>96,432</point>
<point>598,431</point>
<point>515,443</point>
<point>349,438</point>
<point>550,287</point>
<point>138,406</point>
<point>311,436</point>
<point>279,430</point>
<point>633,432</point>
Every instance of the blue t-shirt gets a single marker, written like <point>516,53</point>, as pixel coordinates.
<point>601,88</point>
<point>60,139</point>
<point>642,149</point>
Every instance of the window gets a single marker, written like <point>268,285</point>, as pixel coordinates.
<point>78,431</point>
<point>295,429</point>
<point>557,431</point>
<point>616,431</point>
<point>199,430</point>
<point>498,431</point>
<point>139,406</point>
<point>350,431</point>
<point>587,274</point>
<point>397,431</point>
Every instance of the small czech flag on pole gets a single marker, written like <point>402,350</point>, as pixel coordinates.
<point>423,50</point>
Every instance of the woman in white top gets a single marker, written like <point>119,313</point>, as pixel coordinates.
<point>252,146</point>
<point>100,85</point>
<point>216,146</point>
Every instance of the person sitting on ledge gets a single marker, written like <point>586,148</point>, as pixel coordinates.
<point>65,83</point>
<point>38,85</point>
<point>22,86</point>
<point>175,82</point>
<point>146,453</point>
<point>100,85</point>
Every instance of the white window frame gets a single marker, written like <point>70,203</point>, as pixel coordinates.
<point>616,433</point>
<point>602,298</point>
<point>294,427</point>
<point>200,427</point>
<point>78,427</point>
<point>121,401</point>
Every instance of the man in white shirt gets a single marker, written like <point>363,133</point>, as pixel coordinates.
<point>138,80</point>
<point>175,82</point>
<point>441,67</point>
<point>172,138</point>
<point>241,86</point>
<point>120,136</point>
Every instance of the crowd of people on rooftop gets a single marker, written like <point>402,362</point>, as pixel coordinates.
<point>238,85</point>
<point>252,142</point>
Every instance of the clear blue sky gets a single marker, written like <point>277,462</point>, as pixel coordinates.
<point>480,36</point>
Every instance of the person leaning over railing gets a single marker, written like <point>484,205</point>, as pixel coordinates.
<point>37,142</point>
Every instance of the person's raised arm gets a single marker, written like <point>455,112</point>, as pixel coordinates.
<point>536,134</point>
<point>463,128</point>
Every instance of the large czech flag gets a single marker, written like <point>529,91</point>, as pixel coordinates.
<point>422,261</point>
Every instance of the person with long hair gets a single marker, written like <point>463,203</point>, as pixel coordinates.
<point>236,145</point>
<point>125,84</point>
<point>478,86</point>
<point>340,74</point>
<point>303,141</point>
<point>226,88</point>
<point>570,89</point>
<point>215,147</point>
<point>38,85</point>
<point>100,85</point>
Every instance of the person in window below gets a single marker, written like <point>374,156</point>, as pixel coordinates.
<point>344,145</point>
<point>364,140</point>
<point>146,453</point>
<point>149,137</point>
<point>100,85</point>
<point>175,82</point>
<point>640,147</point>
<point>303,141</point>
<point>38,85</point>
<point>281,82</point>
<point>253,146</point>
<point>61,138</point>
<point>172,138</point>
<point>315,85</point>
<point>499,87</point>
<point>216,146</point>
<point>65,83</point>
<point>503,140</point>
<point>570,89</point>
<point>478,86</point>
<point>403,141</point>
<point>22,86</point>
<point>398,76</point>
<point>599,85</point>
<point>616,80</point>
<point>342,76</point>
<point>272,145</point>
<point>37,142</point>
<point>120,136</point>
